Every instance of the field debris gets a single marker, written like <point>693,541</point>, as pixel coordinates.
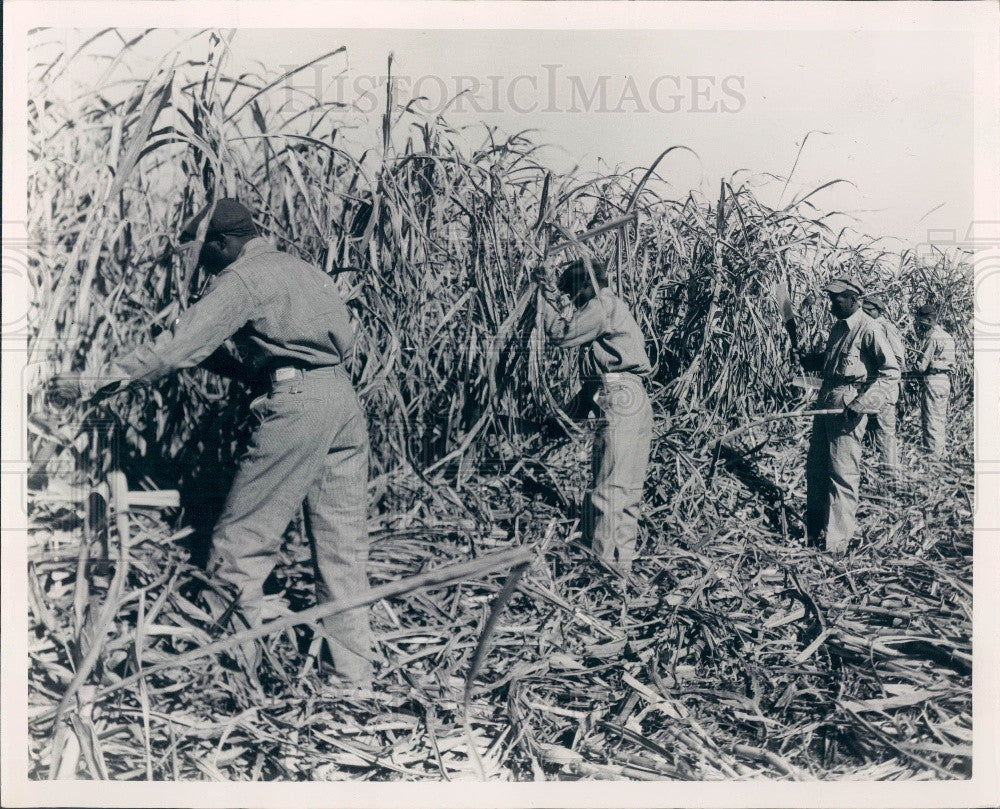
<point>732,652</point>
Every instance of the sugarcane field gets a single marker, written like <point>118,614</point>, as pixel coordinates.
<point>365,445</point>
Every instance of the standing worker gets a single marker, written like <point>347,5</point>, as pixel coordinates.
<point>937,355</point>
<point>613,366</point>
<point>291,329</point>
<point>883,423</point>
<point>859,370</point>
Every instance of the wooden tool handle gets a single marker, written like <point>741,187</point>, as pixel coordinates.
<point>794,414</point>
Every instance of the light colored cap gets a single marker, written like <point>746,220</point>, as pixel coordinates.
<point>843,283</point>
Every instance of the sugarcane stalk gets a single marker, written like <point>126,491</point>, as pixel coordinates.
<point>439,577</point>
<point>614,224</point>
<point>792,414</point>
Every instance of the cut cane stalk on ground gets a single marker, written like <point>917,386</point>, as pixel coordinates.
<point>445,353</point>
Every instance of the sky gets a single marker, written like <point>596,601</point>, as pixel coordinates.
<point>889,111</point>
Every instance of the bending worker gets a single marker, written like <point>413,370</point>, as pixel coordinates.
<point>883,423</point>
<point>289,327</point>
<point>937,355</point>
<point>613,365</point>
<point>859,371</point>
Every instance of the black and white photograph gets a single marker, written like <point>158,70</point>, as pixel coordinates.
<point>598,400</point>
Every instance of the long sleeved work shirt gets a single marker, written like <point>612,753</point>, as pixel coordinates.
<point>895,339</point>
<point>898,348</point>
<point>610,340</point>
<point>937,354</point>
<point>859,367</point>
<point>278,309</point>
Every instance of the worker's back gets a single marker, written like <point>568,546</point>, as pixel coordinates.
<point>298,317</point>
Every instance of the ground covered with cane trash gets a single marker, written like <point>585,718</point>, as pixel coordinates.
<point>734,651</point>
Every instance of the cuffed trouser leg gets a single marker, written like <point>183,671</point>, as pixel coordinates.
<point>620,458</point>
<point>298,424</point>
<point>934,413</point>
<point>833,478</point>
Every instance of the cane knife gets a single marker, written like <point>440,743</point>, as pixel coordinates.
<point>793,414</point>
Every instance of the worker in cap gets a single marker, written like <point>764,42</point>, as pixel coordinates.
<point>859,370</point>
<point>228,218</point>
<point>883,423</point>
<point>936,356</point>
<point>613,369</point>
<point>292,335</point>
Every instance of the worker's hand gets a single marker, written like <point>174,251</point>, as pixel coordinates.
<point>64,390</point>
<point>850,414</point>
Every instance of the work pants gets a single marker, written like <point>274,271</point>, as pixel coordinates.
<point>934,412</point>
<point>311,442</point>
<point>619,460</point>
<point>883,426</point>
<point>833,479</point>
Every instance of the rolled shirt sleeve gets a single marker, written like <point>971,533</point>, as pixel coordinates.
<point>883,372</point>
<point>195,336</point>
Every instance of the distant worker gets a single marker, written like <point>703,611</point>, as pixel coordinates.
<point>293,331</point>
<point>613,366</point>
<point>935,360</point>
<point>859,371</point>
<point>883,423</point>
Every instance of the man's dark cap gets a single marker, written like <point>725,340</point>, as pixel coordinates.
<point>230,218</point>
<point>927,310</point>
<point>574,275</point>
<point>875,302</point>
